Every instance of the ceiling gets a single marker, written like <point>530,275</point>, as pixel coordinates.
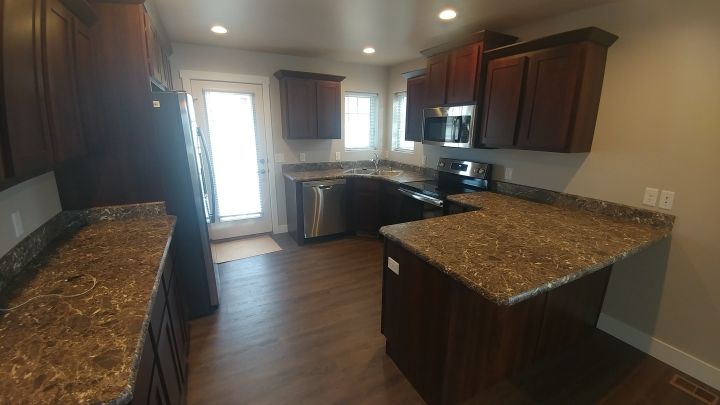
<point>340,29</point>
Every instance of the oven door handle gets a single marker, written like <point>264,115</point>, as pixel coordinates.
<point>422,197</point>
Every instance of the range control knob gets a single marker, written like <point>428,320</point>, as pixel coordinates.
<point>441,164</point>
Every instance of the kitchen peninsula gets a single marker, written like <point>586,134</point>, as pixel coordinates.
<point>473,298</point>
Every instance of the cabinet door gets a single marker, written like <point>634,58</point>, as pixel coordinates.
<point>501,106</point>
<point>328,110</point>
<point>437,79</point>
<point>169,370</point>
<point>86,82</point>
<point>416,96</point>
<point>61,90</point>
<point>300,108</point>
<point>462,74</point>
<point>27,138</point>
<point>365,213</point>
<point>177,322</point>
<point>157,391</point>
<point>551,90</point>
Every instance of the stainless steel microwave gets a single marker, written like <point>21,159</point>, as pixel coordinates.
<point>449,126</point>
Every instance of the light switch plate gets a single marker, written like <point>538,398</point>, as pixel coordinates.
<point>667,198</point>
<point>17,224</point>
<point>302,157</point>
<point>279,158</point>
<point>338,156</point>
<point>650,197</point>
<point>393,266</point>
<point>508,173</point>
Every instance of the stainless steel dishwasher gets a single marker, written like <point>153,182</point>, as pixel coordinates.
<point>324,207</point>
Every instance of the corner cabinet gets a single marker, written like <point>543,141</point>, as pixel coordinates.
<point>416,101</point>
<point>310,105</point>
<point>544,94</point>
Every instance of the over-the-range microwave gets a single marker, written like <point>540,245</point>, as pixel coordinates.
<point>449,126</point>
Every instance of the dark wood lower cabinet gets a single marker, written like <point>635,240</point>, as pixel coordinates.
<point>364,212</point>
<point>452,344</point>
<point>162,374</point>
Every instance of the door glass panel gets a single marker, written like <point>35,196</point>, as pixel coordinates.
<point>233,145</point>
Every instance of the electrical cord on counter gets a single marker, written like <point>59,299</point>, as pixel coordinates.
<point>69,279</point>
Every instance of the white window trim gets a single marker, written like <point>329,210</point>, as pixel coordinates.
<point>396,145</point>
<point>377,140</point>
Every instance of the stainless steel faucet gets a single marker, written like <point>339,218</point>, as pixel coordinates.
<point>376,160</point>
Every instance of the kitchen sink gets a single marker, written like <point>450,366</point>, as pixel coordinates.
<point>389,172</point>
<point>360,171</point>
<point>373,172</point>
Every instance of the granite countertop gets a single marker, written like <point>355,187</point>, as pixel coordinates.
<point>84,349</point>
<point>407,176</point>
<point>510,249</point>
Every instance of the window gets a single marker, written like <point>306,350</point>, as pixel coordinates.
<point>398,124</point>
<point>361,120</point>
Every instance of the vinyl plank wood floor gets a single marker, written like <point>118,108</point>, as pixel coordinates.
<point>303,326</point>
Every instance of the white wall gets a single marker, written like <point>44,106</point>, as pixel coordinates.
<point>364,78</point>
<point>37,201</point>
<point>658,126</point>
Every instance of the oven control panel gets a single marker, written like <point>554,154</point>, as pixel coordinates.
<point>464,168</point>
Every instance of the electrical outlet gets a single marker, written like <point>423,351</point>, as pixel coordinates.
<point>302,157</point>
<point>338,156</point>
<point>279,158</point>
<point>424,160</point>
<point>666,199</point>
<point>17,224</point>
<point>508,173</point>
<point>651,196</point>
<point>393,266</point>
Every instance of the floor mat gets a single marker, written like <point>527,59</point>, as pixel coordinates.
<point>242,248</point>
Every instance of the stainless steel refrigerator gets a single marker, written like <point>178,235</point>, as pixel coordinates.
<point>187,179</point>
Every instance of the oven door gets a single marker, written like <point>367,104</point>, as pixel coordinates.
<point>449,126</point>
<point>426,206</point>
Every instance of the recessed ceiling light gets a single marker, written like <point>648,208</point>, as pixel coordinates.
<point>369,50</point>
<point>219,29</point>
<point>447,14</point>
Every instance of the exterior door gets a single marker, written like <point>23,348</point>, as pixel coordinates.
<point>231,117</point>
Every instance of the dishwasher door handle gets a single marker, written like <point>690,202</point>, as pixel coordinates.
<point>324,187</point>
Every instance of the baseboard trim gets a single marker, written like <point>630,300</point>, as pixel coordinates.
<point>281,229</point>
<point>688,364</point>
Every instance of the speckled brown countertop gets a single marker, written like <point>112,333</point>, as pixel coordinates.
<point>314,175</point>
<point>83,349</point>
<point>510,249</point>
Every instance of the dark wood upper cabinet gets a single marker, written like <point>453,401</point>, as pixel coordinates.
<point>437,68</point>
<point>26,147</point>
<point>455,69</point>
<point>503,94</point>
<point>328,110</point>
<point>300,108</point>
<point>310,105</point>
<point>556,81</point>
<point>157,54</point>
<point>86,82</point>
<point>551,87</point>
<point>60,78</point>
<point>462,74</point>
<point>416,101</point>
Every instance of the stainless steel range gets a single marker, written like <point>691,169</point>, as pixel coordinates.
<point>454,177</point>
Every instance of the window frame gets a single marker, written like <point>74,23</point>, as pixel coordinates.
<point>374,127</point>
<point>396,140</point>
